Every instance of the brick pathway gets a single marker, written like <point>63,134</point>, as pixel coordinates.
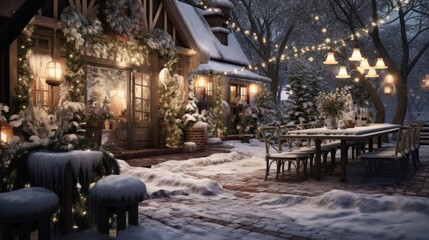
<point>233,224</point>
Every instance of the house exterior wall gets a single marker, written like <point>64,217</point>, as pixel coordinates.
<point>156,15</point>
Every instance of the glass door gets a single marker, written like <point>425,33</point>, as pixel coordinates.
<point>140,127</point>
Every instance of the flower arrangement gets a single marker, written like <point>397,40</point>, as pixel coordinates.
<point>334,103</point>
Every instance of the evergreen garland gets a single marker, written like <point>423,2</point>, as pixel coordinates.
<point>171,111</point>
<point>217,127</point>
<point>21,94</point>
<point>161,41</point>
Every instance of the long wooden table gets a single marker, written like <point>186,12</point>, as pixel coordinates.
<point>366,133</point>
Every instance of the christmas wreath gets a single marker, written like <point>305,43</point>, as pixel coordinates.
<point>123,16</point>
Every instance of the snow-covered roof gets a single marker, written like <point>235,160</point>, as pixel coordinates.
<point>231,70</point>
<point>207,41</point>
<point>220,3</point>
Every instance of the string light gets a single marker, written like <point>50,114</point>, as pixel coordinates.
<point>315,47</point>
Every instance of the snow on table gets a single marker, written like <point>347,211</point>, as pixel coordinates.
<point>48,168</point>
<point>348,131</point>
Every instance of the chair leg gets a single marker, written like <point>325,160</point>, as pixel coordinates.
<point>333,163</point>
<point>268,168</point>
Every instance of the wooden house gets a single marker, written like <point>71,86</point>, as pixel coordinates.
<point>204,45</point>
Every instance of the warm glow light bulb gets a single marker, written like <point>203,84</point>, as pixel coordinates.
<point>330,59</point>
<point>356,56</point>
<point>343,73</point>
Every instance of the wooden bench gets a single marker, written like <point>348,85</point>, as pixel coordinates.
<point>116,194</point>
<point>20,208</point>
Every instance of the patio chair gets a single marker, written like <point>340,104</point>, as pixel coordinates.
<point>271,136</point>
<point>306,145</point>
<point>396,156</point>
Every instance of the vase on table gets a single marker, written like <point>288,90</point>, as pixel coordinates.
<point>331,122</point>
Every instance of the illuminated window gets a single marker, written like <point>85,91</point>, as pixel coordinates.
<point>238,93</point>
<point>203,88</point>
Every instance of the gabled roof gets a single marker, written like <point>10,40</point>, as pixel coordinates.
<point>223,59</point>
<point>207,41</point>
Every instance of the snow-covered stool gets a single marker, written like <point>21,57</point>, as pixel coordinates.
<point>116,194</point>
<point>22,207</point>
<point>190,147</point>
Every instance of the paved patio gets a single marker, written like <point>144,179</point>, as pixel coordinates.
<point>228,220</point>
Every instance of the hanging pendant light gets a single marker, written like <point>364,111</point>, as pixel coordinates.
<point>372,73</point>
<point>343,73</point>
<point>53,69</point>
<point>356,56</point>
<point>380,64</point>
<point>330,59</point>
<point>364,64</point>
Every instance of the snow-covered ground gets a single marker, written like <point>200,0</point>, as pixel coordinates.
<point>189,200</point>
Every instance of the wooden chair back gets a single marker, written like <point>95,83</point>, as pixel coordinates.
<point>271,136</point>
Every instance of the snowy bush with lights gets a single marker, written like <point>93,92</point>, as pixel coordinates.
<point>192,114</point>
<point>171,110</point>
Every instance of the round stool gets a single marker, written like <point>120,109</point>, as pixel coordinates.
<point>24,206</point>
<point>116,194</point>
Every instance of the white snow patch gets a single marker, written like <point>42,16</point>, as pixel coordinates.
<point>163,183</point>
<point>390,217</point>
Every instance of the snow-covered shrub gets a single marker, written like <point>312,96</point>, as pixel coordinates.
<point>192,114</point>
<point>305,84</point>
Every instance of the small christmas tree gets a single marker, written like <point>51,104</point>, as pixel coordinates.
<point>304,86</point>
<point>192,114</point>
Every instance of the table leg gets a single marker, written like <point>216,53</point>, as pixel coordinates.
<point>370,144</point>
<point>318,173</point>
<point>343,160</point>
